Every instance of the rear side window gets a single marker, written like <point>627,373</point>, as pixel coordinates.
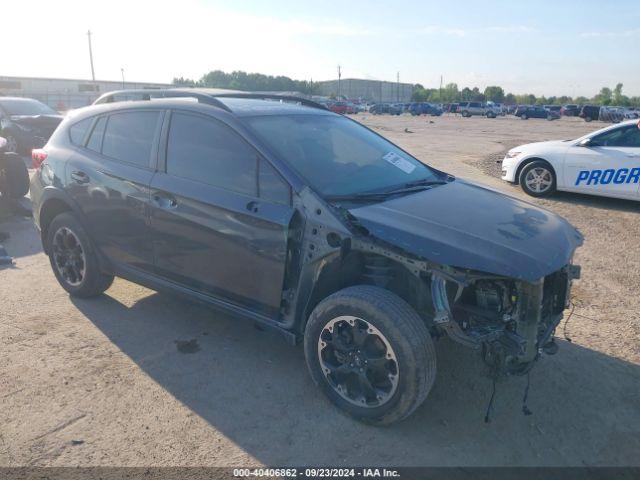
<point>95,140</point>
<point>208,151</point>
<point>129,137</point>
<point>78,130</point>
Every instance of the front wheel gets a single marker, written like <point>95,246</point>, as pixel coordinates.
<point>524,117</point>
<point>538,179</point>
<point>370,353</point>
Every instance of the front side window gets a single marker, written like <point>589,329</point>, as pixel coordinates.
<point>272,187</point>
<point>129,137</point>
<point>338,156</point>
<point>618,137</point>
<point>208,151</point>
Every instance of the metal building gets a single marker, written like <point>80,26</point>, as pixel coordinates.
<point>62,93</point>
<point>369,90</point>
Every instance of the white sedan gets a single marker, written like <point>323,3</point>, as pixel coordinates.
<point>605,162</point>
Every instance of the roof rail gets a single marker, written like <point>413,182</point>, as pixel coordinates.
<point>274,96</point>
<point>149,94</point>
<point>209,98</point>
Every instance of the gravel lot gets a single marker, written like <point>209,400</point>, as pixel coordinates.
<point>138,378</point>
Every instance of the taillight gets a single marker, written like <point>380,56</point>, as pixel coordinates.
<point>38,156</point>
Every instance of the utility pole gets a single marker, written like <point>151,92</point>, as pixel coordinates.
<point>440,88</point>
<point>122,72</point>
<point>339,76</point>
<point>398,87</point>
<point>93,74</point>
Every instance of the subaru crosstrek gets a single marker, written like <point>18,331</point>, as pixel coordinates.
<point>310,224</point>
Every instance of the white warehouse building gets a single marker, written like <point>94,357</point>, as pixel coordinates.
<point>64,94</point>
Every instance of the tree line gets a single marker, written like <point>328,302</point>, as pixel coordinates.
<point>251,82</point>
<point>450,93</point>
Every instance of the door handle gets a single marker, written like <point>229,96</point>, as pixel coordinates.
<point>80,177</point>
<point>164,200</point>
<point>253,206</point>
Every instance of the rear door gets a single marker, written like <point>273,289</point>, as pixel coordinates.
<point>220,215</point>
<point>109,176</point>
<point>609,165</point>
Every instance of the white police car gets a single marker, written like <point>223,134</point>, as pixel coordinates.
<point>605,162</point>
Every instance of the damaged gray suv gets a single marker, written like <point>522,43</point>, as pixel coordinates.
<point>307,223</point>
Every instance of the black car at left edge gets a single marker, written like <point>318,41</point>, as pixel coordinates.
<point>26,123</point>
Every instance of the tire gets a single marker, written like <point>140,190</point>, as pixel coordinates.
<point>14,176</point>
<point>549,117</point>
<point>587,119</point>
<point>524,116</point>
<point>12,143</point>
<point>531,187</point>
<point>466,114</point>
<point>65,230</point>
<point>380,316</point>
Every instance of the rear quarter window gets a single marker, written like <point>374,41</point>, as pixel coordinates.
<point>78,131</point>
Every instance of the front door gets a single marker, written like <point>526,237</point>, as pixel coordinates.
<point>214,230</point>
<point>609,165</point>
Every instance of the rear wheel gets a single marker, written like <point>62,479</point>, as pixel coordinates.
<point>587,119</point>
<point>370,353</point>
<point>73,259</point>
<point>538,179</point>
<point>14,176</point>
<point>524,116</point>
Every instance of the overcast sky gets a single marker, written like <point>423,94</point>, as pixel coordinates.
<point>550,47</point>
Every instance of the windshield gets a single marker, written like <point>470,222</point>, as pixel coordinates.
<point>26,106</point>
<point>337,156</point>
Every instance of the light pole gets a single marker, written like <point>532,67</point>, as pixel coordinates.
<point>93,74</point>
<point>122,72</point>
<point>398,87</point>
<point>339,76</point>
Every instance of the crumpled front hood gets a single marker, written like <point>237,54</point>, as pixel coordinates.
<point>468,226</point>
<point>37,120</point>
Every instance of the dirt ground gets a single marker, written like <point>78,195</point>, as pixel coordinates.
<point>138,378</point>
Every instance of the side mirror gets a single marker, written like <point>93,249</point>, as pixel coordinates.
<point>585,143</point>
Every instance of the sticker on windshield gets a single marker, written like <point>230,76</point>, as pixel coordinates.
<point>398,161</point>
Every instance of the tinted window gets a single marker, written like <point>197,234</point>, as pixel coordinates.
<point>208,151</point>
<point>272,186</point>
<point>619,137</point>
<point>336,155</point>
<point>95,140</point>
<point>129,137</point>
<point>78,130</point>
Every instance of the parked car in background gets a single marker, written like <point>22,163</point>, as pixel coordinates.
<point>380,108</point>
<point>26,123</point>
<point>536,111</point>
<point>605,162</point>
<point>554,108</point>
<point>424,108</point>
<point>590,112</point>
<point>339,107</point>
<point>470,109</point>
<point>570,110</point>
